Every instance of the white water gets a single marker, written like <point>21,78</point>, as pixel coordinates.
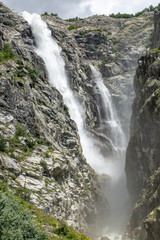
<point>47,48</point>
<point>111,127</point>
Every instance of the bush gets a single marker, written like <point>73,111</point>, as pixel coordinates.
<point>16,222</point>
<point>2,143</point>
<point>41,141</point>
<point>45,167</point>
<point>7,53</point>
<point>54,14</point>
<point>20,130</point>
<point>71,27</point>
<point>20,74</point>
<point>30,143</point>
<point>33,72</point>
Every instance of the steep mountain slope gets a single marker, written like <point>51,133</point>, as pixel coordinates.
<point>41,157</point>
<point>111,45</point>
<point>142,159</point>
<point>40,154</point>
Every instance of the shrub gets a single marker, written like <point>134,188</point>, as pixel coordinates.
<point>32,73</point>
<point>45,14</point>
<point>16,222</point>
<point>20,130</point>
<point>54,14</point>
<point>7,53</point>
<point>62,229</point>
<point>71,27</point>
<point>45,167</point>
<point>41,141</point>
<point>20,74</point>
<point>23,193</point>
<point>30,143</point>
<point>2,143</point>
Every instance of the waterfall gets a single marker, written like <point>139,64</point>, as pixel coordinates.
<point>48,49</point>
<point>50,52</point>
<point>111,127</point>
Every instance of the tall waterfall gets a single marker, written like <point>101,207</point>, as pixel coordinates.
<point>47,48</point>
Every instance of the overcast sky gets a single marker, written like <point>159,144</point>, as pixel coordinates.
<point>81,8</point>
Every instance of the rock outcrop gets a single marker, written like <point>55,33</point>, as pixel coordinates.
<point>142,158</point>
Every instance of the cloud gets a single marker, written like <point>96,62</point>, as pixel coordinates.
<point>81,8</point>
<point>64,8</point>
<point>123,6</point>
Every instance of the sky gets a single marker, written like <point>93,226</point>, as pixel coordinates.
<point>79,8</point>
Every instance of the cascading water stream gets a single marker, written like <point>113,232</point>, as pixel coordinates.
<point>47,48</point>
<point>111,127</point>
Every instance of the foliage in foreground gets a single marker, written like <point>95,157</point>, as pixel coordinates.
<point>16,221</point>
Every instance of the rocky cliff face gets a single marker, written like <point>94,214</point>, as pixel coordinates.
<point>113,46</point>
<point>142,159</point>
<point>41,158</point>
<point>40,154</point>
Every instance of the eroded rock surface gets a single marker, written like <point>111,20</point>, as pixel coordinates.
<point>142,158</point>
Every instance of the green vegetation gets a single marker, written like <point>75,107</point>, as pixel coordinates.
<point>125,15</point>
<point>45,14</point>
<point>15,143</point>
<point>32,73</point>
<point>41,141</point>
<point>106,59</point>
<point>54,14</point>
<point>21,130</point>
<point>154,50</point>
<point>23,193</point>
<point>121,15</point>
<point>84,32</point>
<point>92,30</point>
<point>2,143</point>
<point>71,27</point>
<point>16,221</point>
<point>7,53</point>
<point>45,167</point>
<point>74,19</point>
